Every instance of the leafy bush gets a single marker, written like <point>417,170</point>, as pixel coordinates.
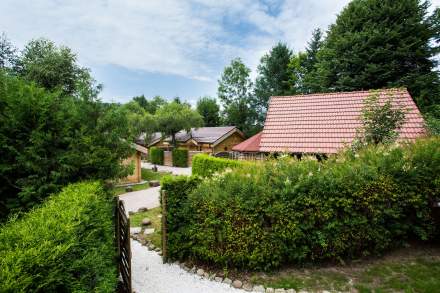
<point>156,155</point>
<point>205,165</point>
<point>48,140</point>
<point>261,217</point>
<point>178,188</point>
<point>66,245</point>
<point>180,157</point>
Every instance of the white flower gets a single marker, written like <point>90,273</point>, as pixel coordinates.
<point>310,174</point>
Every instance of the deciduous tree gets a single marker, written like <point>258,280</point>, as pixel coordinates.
<point>210,111</point>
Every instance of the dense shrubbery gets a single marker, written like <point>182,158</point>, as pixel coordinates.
<point>156,155</point>
<point>180,157</point>
<point>260,217</point>
<point>178,188</point>
<point>66,245</point>
<point>49,139</point>
<point>205,165</point>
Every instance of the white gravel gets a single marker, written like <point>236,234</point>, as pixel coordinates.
<point>151,275</point>
<point>134,200</point>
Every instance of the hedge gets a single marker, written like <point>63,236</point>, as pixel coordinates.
<point>205,165</point>
<point>156,155</point>
<point>286,212</point>
<point>180,157</point>
<point>66,245</point>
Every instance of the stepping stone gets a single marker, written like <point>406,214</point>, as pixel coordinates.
<point>135,230</point>
<point>157,249</point>
<point>206,275</point>
<point>280,290</point>
<point>259,288</point>
<point>227,281</point>
<point>237,284</point>
<point>146,222</point>
<point>291,291</point>
<point>143,209</point>
<point>270,290</point>
<point>218,279</point>
<point>154,183</point>
<point>247,287</point>
<point>200,272</point>
<point>149,231</point>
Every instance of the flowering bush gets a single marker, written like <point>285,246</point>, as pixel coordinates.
<point>353,205</point>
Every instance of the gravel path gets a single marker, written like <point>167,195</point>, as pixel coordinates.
<point>174,170</point>
<point>151,275</point>
<point>143,198</point>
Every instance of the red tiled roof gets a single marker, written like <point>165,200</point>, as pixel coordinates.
<point>325,123</point>
<point>251,144</point>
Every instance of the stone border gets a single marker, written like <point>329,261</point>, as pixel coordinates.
<point>238,284</point>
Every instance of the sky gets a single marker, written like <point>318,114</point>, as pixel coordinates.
<point>166,47</point>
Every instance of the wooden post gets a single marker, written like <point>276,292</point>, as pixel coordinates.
<point>164,226</point>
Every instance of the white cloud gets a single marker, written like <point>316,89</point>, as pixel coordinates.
<point>186,38</point>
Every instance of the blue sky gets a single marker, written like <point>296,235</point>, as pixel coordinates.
<point>166,47</point>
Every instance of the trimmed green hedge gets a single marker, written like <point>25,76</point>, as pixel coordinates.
<point>284,211</point>
<point>180,157</point>
<point>205,165</point>
<point>156,155</point>
<point>66,245</point>
<point>178,188</point>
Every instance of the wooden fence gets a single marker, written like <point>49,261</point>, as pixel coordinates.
<point>124,250</point>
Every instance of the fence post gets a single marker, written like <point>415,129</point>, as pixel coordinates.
<point>164,226</point>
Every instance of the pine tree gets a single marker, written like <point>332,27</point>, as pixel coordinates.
<point>273,78</point>
<point>382,43</point>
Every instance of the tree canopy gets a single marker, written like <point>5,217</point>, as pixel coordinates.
<point>174,116</point>
<point>210,111</point>
<point>234,91</point>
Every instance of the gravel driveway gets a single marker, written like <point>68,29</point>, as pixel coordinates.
<point>174,170</point>
<point>151,275</point>
<point>143,198</point>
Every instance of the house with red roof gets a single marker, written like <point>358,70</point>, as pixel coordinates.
<point>324,123</point>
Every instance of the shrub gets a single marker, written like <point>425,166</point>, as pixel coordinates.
<point>178,188</point>
<point>261,217</point>
<point>66,245</point>
<point>180,157</point>
<point>156,155</point>
<point>205,165</point>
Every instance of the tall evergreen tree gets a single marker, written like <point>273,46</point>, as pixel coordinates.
<point>234,90</point>
<point>273,78</point>
<point>382,43</point>
<point>310,76</point>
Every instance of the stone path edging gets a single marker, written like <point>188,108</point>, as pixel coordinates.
<point>238,284</point>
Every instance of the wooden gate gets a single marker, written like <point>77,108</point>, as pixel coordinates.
<point>124,251</point>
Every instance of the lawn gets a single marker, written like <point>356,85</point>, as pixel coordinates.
<point>414,269</point>
<point>156,222</point>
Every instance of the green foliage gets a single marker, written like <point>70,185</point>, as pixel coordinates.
<point>180,157</point>
<point>139,120</point>
<point>156,155</point>
<point>209,109</point>
<point>50,66</point>
<point>175,116</point>
<point>284,211</point>
<point>273,78</point>
<point>8,53</point>
<point>177,189</point>
<point>432,118</point>
<point>48,140</point>
<point>152,105</point>
<point>66,245</point>
<point>234,91</point>
<point>204,165</point>
<point>376,44</point>
<point>380,120</point>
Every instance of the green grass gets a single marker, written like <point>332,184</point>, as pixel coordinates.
<point>148,175</point>
<point>121,189</point>
<point>156,223</point>
<point>415,269</point>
